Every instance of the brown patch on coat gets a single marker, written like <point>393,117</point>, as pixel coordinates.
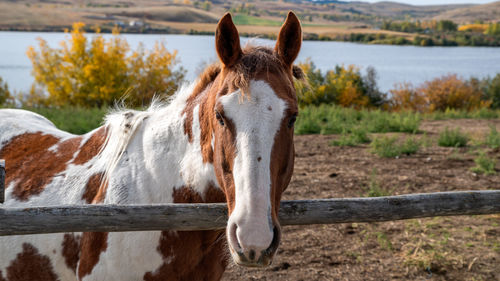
<point>205,79</point>
<point>95,189</point>
<point>191,255</point>
<point>91,147</point>
<point>92,245</point>
<point>31,165</point>
<point>30,265</point>
<point>1,277</point>
<point>71,250</point>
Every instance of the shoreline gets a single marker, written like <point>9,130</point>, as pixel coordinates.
<point>355,37</point>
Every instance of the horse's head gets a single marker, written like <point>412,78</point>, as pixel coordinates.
<point>254,111</point>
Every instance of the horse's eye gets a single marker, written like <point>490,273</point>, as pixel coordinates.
<point>292,120</point>
<point>219,118</point>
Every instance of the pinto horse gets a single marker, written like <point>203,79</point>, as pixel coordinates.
<point>226,138</point>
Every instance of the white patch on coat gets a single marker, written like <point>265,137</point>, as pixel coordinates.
<point>145,168</point>
<point>252,178</point>
<point>128,256</point>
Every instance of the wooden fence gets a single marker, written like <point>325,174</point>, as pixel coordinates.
<point>187,217</point>
<point>16,221</point>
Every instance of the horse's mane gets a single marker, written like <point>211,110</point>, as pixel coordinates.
<point>122,124</point>
<point>255,60</point>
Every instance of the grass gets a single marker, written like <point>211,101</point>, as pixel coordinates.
<point>452,138</point>
<point>73,119</point>
<point>389,147</point>
<point>482,113</point>
<point>374,189</point>
<point>484,164</point>
<point>331,119</point>
<point>240,19</point>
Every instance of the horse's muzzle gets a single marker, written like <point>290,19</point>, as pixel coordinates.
<point>251,257</point>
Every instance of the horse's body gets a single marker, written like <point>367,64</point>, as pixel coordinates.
<point>211,143</point>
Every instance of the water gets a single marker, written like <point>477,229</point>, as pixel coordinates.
<point>394,64</point>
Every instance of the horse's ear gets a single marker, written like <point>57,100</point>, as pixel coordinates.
<point>227,41</point>
<point>289,39</point>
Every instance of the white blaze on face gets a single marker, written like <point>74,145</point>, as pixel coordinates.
<point>257,119</point>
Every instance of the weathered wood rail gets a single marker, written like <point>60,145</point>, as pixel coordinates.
<point>2,180</point>
<point>18,221</point>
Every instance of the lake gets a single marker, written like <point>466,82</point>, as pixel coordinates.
<point>394,64</point>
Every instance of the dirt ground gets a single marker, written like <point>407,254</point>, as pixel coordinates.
<point>445,248</point>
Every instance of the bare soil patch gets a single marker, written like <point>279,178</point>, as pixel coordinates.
<point>446,248</point>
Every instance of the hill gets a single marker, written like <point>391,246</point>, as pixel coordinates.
<point>321,19</point>
<point>486,12</point>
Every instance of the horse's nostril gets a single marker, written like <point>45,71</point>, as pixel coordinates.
<point>251,255</point>
<point>233,236</point>
<point>275,243</point>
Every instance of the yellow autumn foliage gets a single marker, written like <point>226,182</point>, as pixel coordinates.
<point>406,98</point>
<point>477,27</point>
<point>344,86</point>
<point>100,71</point>
<point>440,94</point>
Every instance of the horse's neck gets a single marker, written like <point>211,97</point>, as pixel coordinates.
<point>161,158</point>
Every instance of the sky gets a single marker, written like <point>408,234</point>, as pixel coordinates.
<point>434,2</point>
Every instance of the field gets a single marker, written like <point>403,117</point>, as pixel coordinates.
<point>336,165</point>
<point>264,17</point>
<point>446,248</point>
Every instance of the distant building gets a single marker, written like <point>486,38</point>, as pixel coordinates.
<point>136,23</point>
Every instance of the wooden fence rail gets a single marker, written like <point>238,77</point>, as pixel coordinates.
<point>18,221</point>
<point>2,180</point>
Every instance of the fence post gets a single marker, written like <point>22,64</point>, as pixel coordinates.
<point>2,180</point>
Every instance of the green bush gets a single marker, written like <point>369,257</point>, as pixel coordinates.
<point>385,147</point>
<point>452,138</point>
<point>484,164</point>
<point>358,136</point>
<point>493,138</point>
<point>389,147</point>
<point>410,146</point>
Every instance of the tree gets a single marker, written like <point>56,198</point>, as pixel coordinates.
<point>5,96</point>
<point>98,72</point>
<point>450,92</point>
<point>344,86</point>
<point>406,97</point>
<point>492,90</point>
<point>446,25</point>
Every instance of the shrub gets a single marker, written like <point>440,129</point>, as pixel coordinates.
<point>452,138</point>
<point>101,71</point>
<point>344,86</point>
<point>410,146</point>
<point>493,138</point>
<point>484,164</point>
<point>492,90</point>
<point>451,92</point>
<point>358,136</point>
<point>406,97</point>
<point>5,96</point>
<point>389,147</point>
<point>385,147</point>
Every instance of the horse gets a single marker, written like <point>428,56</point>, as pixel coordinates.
<point>227,137</point>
